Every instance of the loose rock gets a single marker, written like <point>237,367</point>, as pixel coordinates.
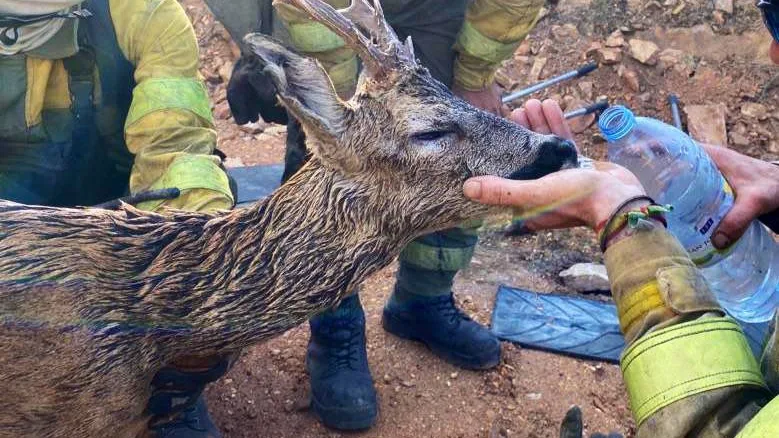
<point>706,123</point>
<point>233,162</point>
<point>253,128</point>
<point>586,277</point>
<point>538,67</point>
<point>740,140</point>
<point>629,78</point>
<point>615,39</point>
<point>755,110</point>
<point>643,51</point>
<point>609,56</point>
<point>225,71</point>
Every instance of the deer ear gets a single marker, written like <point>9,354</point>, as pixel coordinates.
<point>302,86</point>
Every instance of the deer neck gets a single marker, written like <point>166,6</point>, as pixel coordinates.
<point>290,257</point>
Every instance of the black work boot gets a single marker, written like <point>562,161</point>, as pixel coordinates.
<point>342,392</point>
<point>177,405</point>
<point>446,330</point>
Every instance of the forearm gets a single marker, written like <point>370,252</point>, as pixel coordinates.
<point>169,128</point>
<point>492,31</point>
<point>174,148</point>
<point>679,383</point>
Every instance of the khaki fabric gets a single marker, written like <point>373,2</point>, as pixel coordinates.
<point>158,39</point>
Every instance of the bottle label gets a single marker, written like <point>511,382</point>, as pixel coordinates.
<point>704,253</point>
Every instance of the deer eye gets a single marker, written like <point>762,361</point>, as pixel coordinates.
<point>431,135</point>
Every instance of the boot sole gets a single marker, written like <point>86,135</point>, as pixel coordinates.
<point>343,419</point>
<point>404,330</point>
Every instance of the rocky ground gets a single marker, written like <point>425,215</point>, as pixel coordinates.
<point>711,54</point>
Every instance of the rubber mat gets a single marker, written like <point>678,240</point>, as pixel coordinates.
<point>571,325</point>
<point>256,182</point>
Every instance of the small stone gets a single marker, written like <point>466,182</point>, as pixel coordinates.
<point>643,51</point>
<point>609,56</point>
<point>387,379</point>
<point>615,39</point>
<point>538,67</point>
<point>253,128</point>
<point>755,110</point>
<point>630,78</point>
<point>566,31</point>
<point>725,6</point>
<point>407,383</point>
<point>706,123</point>
<point>225,71</point>
<point>676,59</point>
<point>678,10</point>
<point>453,375</point>
<point>533,395</point>
<point>740,140</point>
<point>524,48</point>
<point>231,162</point>
<point>586,88</point>
<point>586,277</point>
<point>593,49</point>
<point>275,352</point>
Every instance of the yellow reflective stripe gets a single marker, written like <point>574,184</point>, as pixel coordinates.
<point>435,258</point>
<point>169,93</point>
<point>313,37</point>
<point>637,303</point>
<point>765,424</point>
<point>686,359</point>
<point>479,46</point>
<point>191,171</point>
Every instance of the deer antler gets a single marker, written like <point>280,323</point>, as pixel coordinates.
<point>380,51</point>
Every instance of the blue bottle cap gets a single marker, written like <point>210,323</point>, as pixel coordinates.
<point>616,122</point>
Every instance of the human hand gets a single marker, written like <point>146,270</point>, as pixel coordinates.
<point>563,199</point>
<point>543,117</point>
<point>487,99</point>
<point>569,198</point>
<point>756,185</point>
<point>251,94</point>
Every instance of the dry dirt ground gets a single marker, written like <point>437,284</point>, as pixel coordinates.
<point>719,61</point>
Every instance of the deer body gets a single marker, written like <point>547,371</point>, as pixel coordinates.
<point>93,303</point>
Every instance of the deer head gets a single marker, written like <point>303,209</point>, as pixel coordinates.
<point>403,137</point>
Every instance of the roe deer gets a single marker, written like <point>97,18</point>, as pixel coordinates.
<point>94,302</point>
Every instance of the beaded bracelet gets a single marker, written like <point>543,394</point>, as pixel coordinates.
<point>634,218</point>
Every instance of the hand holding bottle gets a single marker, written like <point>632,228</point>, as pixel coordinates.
<point>756,185</point>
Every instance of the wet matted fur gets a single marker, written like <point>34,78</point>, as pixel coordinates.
<point>93,303</point>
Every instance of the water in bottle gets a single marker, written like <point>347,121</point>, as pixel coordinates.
<point>675,170</point>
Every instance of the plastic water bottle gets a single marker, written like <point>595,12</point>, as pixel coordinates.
<point>675,170</point>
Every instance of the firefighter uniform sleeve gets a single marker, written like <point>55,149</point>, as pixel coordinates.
<point>492,31</point>
<point>687,367</point>
<point>169,129</point>
<point>317,41</point>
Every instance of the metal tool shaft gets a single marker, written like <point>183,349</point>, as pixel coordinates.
<point>673,100</point>
<point>589,109</point>
<point>582,71</point>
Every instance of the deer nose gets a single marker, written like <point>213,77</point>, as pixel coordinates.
<point>557,153</point>
<point>554,154</point>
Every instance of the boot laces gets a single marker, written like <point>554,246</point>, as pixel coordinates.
<point>446,307</point>
<point>350,343</point>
